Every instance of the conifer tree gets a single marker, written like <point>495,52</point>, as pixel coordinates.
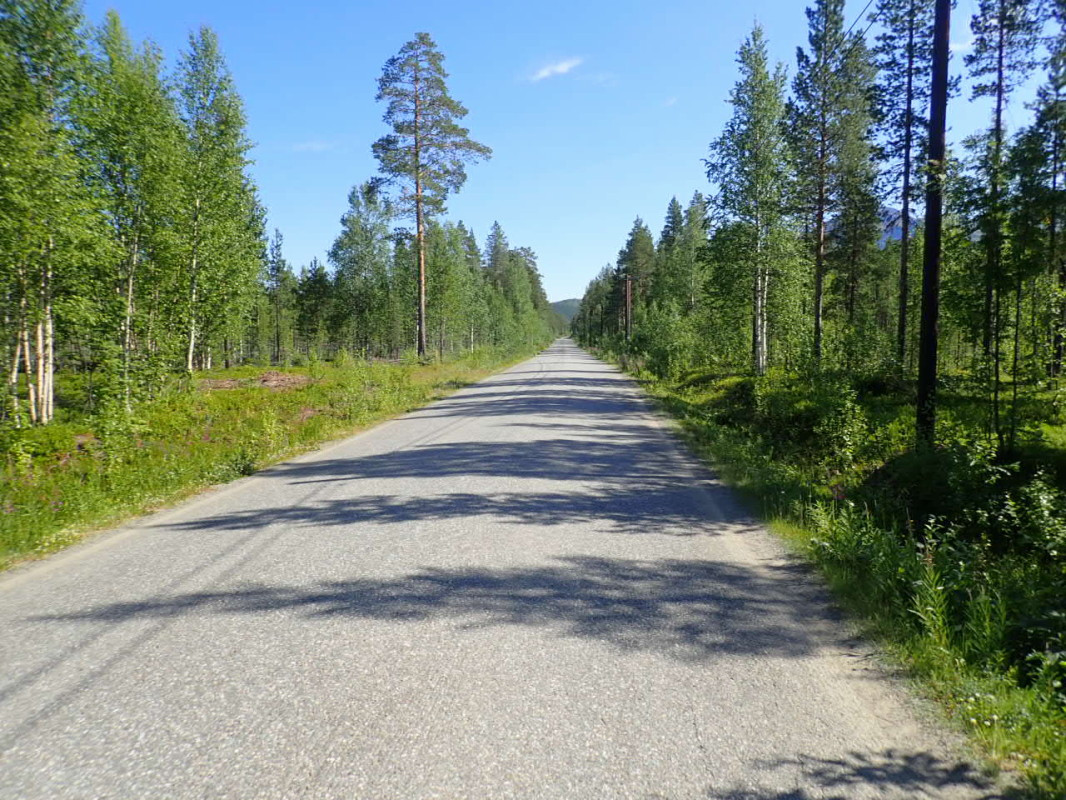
<point>668,267</point>
<point>313,294</point>
<point>280,284</point>
<point>1051,121</point>
<point>636,269</point>
<point>815,115</point>
<point>496,250</point>
<point>477,301</point>
<point>428,149</point>
<point>857,223</point>
<point>1005,36</point>
<point>904,50</point>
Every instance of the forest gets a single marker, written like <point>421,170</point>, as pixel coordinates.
<point>777,315</point>
<point>132,237</point>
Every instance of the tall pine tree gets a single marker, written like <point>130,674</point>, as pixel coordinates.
<point>427,150</point>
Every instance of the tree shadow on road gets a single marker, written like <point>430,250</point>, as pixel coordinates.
<point>632,484</point>
<point>891,774</point>
<point>692,610</point>
<point>549,400</point>
<point>630,457</point>
<point>664,508</point>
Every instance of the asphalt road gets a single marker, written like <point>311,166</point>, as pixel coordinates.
<point>526,590</point>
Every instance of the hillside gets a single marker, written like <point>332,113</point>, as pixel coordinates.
<point>567,307</point>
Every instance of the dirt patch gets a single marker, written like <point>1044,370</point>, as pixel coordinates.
<point>83,441</point>
<point>211,384</point>
<point>271,379</point>
<point>281,380</point>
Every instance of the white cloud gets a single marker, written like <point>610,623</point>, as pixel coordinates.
<point>313,146</point>
<point>556,68</point>
<point>962,47</point>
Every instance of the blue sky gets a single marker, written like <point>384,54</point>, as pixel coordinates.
<point>597,111</point>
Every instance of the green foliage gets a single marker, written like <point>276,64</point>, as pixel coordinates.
<point>429,155</point>
<point>427,150</point>
<point>131,235</point>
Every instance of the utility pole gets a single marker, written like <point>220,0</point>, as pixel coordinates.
<point>934,218</point>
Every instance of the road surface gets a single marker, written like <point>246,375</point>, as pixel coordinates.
<point>526,590</point>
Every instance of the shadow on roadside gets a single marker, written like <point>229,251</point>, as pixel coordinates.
<point>889,774</point>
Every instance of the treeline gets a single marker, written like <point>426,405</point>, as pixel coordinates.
<point>808,256</point>
<point>132,241</point>
<point>366,305</point>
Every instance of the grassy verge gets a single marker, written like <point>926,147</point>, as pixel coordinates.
<point>955,560</point>
<point>61,481</point>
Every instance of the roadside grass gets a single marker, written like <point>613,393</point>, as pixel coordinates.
<point>954,561</point>
<point>84,473</point>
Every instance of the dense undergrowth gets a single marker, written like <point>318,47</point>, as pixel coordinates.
<point>956,557</point>
<point>87,471</point>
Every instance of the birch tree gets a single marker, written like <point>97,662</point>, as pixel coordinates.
<point>133,139</point>
<point>49,227</point>
<point>220,221</point>
<point>361,256</point>
<point>749,163</point>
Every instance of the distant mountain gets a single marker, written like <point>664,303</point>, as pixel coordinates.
<point>891,226</point>
<point>567,308</point>
<point>892,222</point>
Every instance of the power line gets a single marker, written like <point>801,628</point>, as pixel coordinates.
<point>844,38</point>
<point>862,38</point>
<point>856,20</point>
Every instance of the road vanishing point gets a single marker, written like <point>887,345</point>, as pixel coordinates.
<point>526,590</point>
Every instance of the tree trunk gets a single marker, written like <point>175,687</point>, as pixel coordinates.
<point>1014,366</point>
<point>420,223</point>
<point>1059,335</point>
<point>758,334</point>
<point>995,261</point>
<point>277,323</point>
<point>49,363</point>
<point>930,324</point>
<point>38,330</point>
<point>127,324</point>
<point>13,383</point>
<point>45,331</point>
<point>190,352</point>
<point>27,352</point>
<point>31,387</point>
<point>819,275</point>
<point>905,214</point>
